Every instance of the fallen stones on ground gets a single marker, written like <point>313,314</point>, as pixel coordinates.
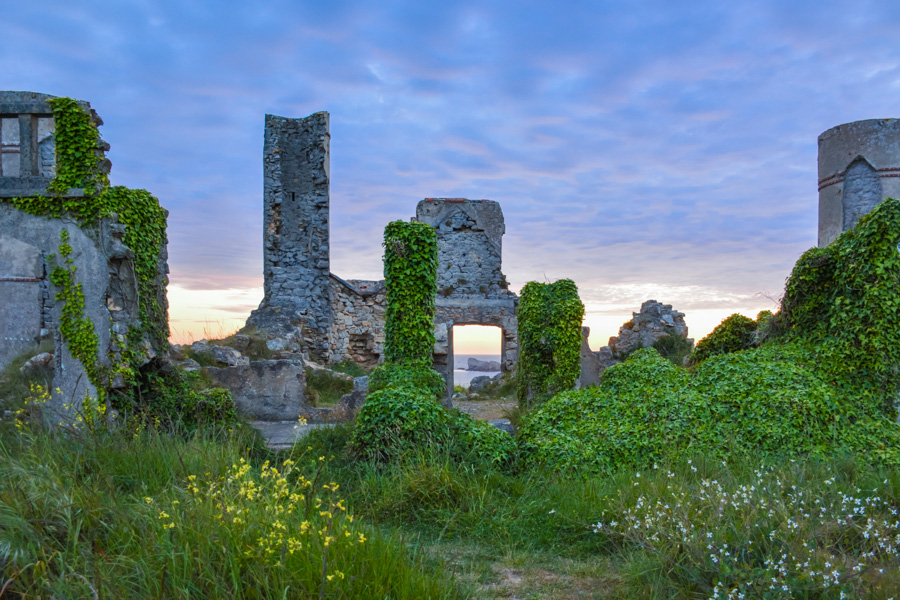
<point>221,355</point>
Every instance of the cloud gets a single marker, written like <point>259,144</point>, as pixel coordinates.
<point>662,144</point>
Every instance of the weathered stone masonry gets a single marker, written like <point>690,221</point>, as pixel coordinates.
<point>29,250</point>
<point>472,289</point>
<point>859,166</point>
<point>308,309</point>
<point>295,249</point>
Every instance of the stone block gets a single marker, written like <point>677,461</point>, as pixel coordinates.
<point>266,390</point>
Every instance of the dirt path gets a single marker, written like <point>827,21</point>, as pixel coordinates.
<point>486,410</point>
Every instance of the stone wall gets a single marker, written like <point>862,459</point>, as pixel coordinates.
<point>859,166</point>
<point>470,236</point>
<point>297,299</point>
<point>309,311</point>
<point>30,250</point>
<point>472,289</point>
<point>358,323</point>
<point>29,312</point>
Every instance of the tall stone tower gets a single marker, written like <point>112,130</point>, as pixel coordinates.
<point>859,166</point>
<point>297,298</point>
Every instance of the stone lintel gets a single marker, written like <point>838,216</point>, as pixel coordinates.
<point>499,303</point>
<point>26,108</point>
<point>26,187</point>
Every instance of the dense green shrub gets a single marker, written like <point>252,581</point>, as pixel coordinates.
<point>549,327</point>
<point>844,298</point>
<point>421,377</point>
<point>396,420</point>
<point>766,402</point>
<point>735,333</point>
<point>169,396</point>
<point>478,441</point>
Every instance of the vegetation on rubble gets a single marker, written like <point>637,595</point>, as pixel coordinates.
<point>825,386</point>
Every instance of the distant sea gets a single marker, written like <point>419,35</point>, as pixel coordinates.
<point>461,361</point>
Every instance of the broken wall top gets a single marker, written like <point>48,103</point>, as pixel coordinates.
<point>27,144</point>
<point>470,234</point>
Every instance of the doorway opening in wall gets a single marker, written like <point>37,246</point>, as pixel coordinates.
<point>475,347</point>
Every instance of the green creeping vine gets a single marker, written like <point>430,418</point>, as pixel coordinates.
<point>77,330</point>
<point>843,300</point>
<point>410,273</point>
<point>817,379</point>
<point>549,317</point>
<point>78,165</point>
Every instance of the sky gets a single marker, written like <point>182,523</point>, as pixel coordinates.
<point>646,149</point>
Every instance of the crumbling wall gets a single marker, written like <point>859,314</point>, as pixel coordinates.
<point>297,301</point>
<point>470,234</point>
<point>52,233</point>
<point>358,327</point>
<point>308,310</point>
<point>472,289</point>
<point>29,311</point>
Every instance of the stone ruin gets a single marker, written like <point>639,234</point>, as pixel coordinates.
<point>653,322</point>
<point>29,244</point>
<point>309,312</point>
<point>859,166</point>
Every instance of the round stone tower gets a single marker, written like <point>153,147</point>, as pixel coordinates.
<point>859,166</point>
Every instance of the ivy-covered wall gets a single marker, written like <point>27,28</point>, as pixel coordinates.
<point>550,316</point>
<point>410,273</point>
<point>104,251</point>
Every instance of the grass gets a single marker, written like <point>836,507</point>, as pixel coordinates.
<point>158,515</point>
<point>325,388</point>
<point>215,514</point>
<point>696,528</point>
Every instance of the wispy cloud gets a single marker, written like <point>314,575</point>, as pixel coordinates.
<point>660,144</point>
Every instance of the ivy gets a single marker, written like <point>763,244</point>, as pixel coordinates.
<point>735,333</point>
<point>78,156</point>
<point>79,166</point>
<point>843,299</point>
<point>76,329</point>
<point>549,322</point>
<point>819,378</point>
<point>410,273</point>
<point>145,234</point>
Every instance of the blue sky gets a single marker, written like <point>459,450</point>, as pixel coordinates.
<point>659,150</point>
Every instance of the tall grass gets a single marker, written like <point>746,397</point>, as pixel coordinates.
<point>695,528</point>
<point>151,515</point>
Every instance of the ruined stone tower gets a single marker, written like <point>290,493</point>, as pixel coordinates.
<point>295,241</point>
<point>859,166</point>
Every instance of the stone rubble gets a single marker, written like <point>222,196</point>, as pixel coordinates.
<point>654,321</point>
